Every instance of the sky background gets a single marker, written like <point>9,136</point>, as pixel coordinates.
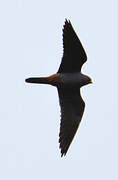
<point>31,45</point>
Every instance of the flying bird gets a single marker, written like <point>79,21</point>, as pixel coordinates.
<point>68,81</point>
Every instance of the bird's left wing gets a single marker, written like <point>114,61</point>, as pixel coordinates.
<point>74,55</point>
<point>72,108</point>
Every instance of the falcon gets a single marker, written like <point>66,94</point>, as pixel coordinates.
<point>68,80</point>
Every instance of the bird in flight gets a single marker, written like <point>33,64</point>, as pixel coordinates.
<point>68,81</point>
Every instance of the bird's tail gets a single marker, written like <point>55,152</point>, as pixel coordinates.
<point>52,80</point>
<point>41,80</point>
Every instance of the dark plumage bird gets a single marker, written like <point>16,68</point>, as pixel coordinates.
<point>68,81</point>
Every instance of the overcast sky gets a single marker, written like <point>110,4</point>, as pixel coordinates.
<point>31,45</point>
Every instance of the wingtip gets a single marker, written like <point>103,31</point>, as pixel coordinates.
<point>63,151</point>
<point>63,154</point>
<point>67,21</point>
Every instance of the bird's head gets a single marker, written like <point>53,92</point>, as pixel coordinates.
<point>89,80</point>
<point>85,80</point>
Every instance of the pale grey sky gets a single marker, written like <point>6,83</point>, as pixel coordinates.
<point>31,45</point>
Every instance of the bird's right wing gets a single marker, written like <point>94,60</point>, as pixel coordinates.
<point>74,55</point>
<point>72,108</point>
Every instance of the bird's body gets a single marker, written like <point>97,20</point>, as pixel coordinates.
<point>68,81</point>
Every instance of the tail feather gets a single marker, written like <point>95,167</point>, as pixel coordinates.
<point>41,80</point>
<point>53,80</point>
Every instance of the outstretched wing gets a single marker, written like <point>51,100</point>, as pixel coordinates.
<point>74,55</point>
<point>72,108</point>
